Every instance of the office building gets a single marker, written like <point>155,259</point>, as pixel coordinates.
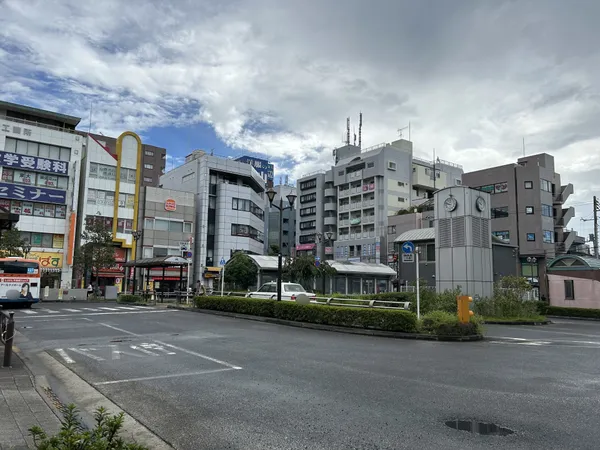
<point>354,199</point>
<point>289,223</point>
<point>527,210</point>
<point>262,166</point>
<point>230,209</point>
<point>40,159</point>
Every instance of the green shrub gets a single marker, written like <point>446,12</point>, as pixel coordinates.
<point>442,323</point>
<point>572,312</point>
<point>326,315</point>
<point>72,436</point>
<point>506,306</point>
<point>128,298</point>
<point>430,301</point>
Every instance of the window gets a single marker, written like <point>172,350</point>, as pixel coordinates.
<point>36,149</point>
<point>547,210</point>
<point>147,180</point>
<point>391,165</point>
<point>371,164</point>
<point>548,237</point>
<point>149,166</point>
<point>149,224</point>
<point>176,227</point>
<point>308,211</point>
<point>401,199</point>
<point>34,179</point>
<point>500,212</point>
<point>529,185</point>
<point>531,237</point>
<point>246,231</point>
<point>457,182</point>
<point>148,153</point>
<point>504,235</point>
<point>187,227</point>
<point>401,184</point>
<point>569,290</point>
<point>529,210</point>
<point>308,198</point>
<point>545,185</point>
<point>391,229</point>
<point>43,240</point>
<point>124,226</point>
<point>341,173</point>
<point>240,204</point>
<point>307,239</point>
<point>212,203</point>
<point>308,184</point>
<point>309,225</point>
<point>161,224</point>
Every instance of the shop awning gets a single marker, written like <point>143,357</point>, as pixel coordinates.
<point>163,261</point>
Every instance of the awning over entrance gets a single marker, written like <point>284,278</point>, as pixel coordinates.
<point>163,261</point>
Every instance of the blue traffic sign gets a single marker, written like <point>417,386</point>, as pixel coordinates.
<point>317,261</point>
<point>408,247</point>
<point>222,262</point>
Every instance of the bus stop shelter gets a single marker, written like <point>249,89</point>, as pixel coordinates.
<point>154,263</point>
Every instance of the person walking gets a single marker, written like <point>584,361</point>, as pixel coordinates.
<point>90,289</point>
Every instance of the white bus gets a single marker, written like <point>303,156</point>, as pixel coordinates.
<point>19,282</point>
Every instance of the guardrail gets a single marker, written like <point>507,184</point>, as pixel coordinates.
<point>7,326</point>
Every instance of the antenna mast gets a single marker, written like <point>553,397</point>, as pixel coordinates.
<point>360,130</point>
<point>348,131</point>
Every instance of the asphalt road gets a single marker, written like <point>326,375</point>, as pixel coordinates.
<point>208,382</point>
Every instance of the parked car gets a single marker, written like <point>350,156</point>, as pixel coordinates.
<point>289,291</point>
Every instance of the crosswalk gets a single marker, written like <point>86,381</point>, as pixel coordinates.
<point>41,311</point>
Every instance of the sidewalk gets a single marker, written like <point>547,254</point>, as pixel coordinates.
<point>21,407</point>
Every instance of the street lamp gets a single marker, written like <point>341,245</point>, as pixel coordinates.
<point>531,260</point>
<point>26,249</point>
<point>137,234</point>
<point>291,198</point>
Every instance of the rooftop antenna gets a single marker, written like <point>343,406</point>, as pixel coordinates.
<point>348,131</point>
<point>360,130</point>
<point>287,180</point>
<point>354,132</point>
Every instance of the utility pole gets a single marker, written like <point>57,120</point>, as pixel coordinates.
<point>596,209</point>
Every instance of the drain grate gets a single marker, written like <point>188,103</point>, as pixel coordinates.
<point>475,427</point>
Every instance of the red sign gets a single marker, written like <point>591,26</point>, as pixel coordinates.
<point>170,205</point>
<point>120,255</point>
<point>302,247</point>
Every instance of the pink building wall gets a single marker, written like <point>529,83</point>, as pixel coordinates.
<point>587,292</point>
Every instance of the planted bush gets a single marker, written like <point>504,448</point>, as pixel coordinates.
<point>105,435</point>
<point>572,312</point>
<point>388,320</point>
<point>442,323</point>
<point>129,298</point>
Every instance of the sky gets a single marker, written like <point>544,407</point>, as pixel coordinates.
<point>475,78</point>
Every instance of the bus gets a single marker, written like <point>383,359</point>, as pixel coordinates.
<point>19,282</point>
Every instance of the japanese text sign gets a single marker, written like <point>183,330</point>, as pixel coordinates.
<point>32,193</point>
<point>27,162</point>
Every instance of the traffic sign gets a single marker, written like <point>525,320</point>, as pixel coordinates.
<point>408,247</point>
<point>222,262</point>
<point>317,261</point>
<point>408,258</point>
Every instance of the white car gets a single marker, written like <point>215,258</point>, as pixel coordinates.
<point>289,291</point>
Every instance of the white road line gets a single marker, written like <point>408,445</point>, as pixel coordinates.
<point>64,356</point>
<point>189,352</point>
<point>49,311</point>
<point>161,377</point>
<point>70,310</point>
<point>91,309</point>
<point>115,352</point>
<point>143,350</point>
<point>106,313</point>
<point>86,352</point>
<point>29,311</point>
<point>127,307</point>
<point>107,309</point>
<point>149,346</point>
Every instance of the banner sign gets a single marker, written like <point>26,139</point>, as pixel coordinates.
<point>32,193</point>
<point>27,162</point>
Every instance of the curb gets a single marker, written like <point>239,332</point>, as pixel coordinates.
<point>334,328</point>
<point>591,319</point>
<point>493,322</point>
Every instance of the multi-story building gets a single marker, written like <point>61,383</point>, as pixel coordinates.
<point>527,210</point>
<point>40,159</point>
<point>289,222</point>
<point>114,171</point>
<point>354,198</point>
<point>230,202</point>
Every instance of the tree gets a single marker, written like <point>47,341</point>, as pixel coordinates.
<point>241,271</point>
<point>11,243</point>
<point>97,252</point>
<point>302,269</point>
<point>273,250</point>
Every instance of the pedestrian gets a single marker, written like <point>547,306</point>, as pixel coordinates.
<point>90,289</point>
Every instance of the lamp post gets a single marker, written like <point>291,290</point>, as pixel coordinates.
<point>26,249</point>
<point>531,260</point>
<point>137,234</point>
<point>291,198</point>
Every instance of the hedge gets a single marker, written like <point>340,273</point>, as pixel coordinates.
<point>128,298</point>
<point>443,323</point>
<point>387,320</point>
<point>572,312</point>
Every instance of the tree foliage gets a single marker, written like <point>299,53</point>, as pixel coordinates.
<point>11,243</point>
<point>98,251</point>
<point>302,270</point>
<point>273,250</point>
<point>241,271</point>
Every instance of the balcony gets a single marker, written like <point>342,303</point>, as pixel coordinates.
<point>356,205</point>
<point>565,216</point>
<point>330,192</point>
<point>343,193</point>
<point>330,206</point>
<point>344,207</point>
<point>369,219</point>
<point>368,203</point>
<point>564,193</point>
<point>567,240</point>
<point>330,221</point>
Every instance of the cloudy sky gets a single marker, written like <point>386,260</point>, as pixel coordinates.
<point>279,78</point>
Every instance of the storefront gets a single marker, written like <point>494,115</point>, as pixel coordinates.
<point>51,266</point>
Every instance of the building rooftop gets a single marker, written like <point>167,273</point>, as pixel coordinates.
<point>574,262</point>
<point>71,120</point>
<point>270,263</point>
<point>420,234</point>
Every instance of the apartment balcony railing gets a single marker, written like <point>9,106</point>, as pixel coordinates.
<point>563,194</point>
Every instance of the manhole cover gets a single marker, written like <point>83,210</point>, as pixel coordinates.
<point>475,427</point>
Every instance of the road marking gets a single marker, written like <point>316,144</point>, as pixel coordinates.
<point>162,377</point>
<point>91,309</point>
<point>64,356</point>
<point>86,352</point>
<point>108,309</point>
<point>181,349</point>
<point>128,307</point>
<point>29,311</point>
<point>143,350</point>
<point>115,352</point>
<point>71,310</point>
<point>150,311</point>
<point>49,311</point>
<point>156,347</point>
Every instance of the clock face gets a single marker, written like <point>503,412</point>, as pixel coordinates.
<point>480,204</point>
<point>450,204</point>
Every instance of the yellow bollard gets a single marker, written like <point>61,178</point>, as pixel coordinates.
<point>464,313</point>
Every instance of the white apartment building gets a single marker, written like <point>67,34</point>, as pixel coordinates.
<point>230,209</point>
<point>40,164</point>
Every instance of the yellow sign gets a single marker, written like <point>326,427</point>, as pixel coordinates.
<point>58,241</point>
<point>48,260</point>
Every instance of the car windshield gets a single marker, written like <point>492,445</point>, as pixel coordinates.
<point>294,288</point>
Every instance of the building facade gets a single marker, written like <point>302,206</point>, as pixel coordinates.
<point>230,214</point>
<point>40,163</point>
<point>527,210</point>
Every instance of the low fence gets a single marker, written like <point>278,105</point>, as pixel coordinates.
<point>7,335</point>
